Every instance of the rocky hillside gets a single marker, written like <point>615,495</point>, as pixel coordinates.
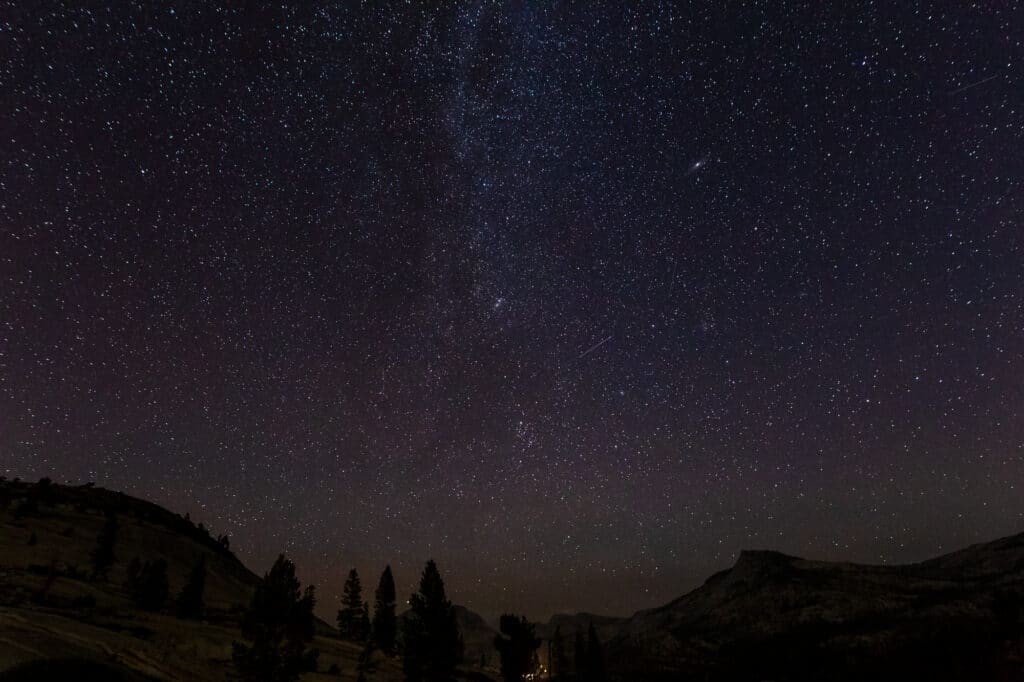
<point>55,618</point>
<point>477,637</point>
<point>606,627</point>
<point>49,530</point>
<point>777,617</point>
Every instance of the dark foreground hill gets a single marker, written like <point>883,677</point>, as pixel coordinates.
<point>777,617</point>
<point>58,622</point>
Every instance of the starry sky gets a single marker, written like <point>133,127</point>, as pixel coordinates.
<point>578,299</point>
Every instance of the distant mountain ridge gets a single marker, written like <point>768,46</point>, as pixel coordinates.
<point>774,616</point>
<point>569,624</point>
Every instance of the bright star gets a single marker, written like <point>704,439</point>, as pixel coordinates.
<point>696,166</point>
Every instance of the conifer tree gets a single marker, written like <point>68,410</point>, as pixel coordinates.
<point>42,493</point>
<point>351,613</point>
<point>384,622</point>
<point>579,656</point>
<point>278,625</point>
<point>363,630</point>
<point>190,600</point>
<point>432,643</point>
<point>517,645</point>
<point>558,662</point>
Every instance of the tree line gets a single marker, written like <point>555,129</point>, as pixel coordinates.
<point>278,626</point>
<point>147,581</point>
<point>279,623</point>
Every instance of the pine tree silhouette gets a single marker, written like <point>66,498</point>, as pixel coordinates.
<point>41,493</point>
<point>190,600</point>
<point>558,663</point>
<point>385,626</point>
<point>433,645</point>
<point>518,647</point>
<point>350,615</point>
<point>278,625</point>
<point>363,630</point>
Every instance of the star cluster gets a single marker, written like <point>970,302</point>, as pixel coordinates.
<point>578,299</point>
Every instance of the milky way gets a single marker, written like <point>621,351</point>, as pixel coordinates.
<point>578,300</point>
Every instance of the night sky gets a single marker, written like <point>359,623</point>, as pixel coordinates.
<point>577,299</point>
